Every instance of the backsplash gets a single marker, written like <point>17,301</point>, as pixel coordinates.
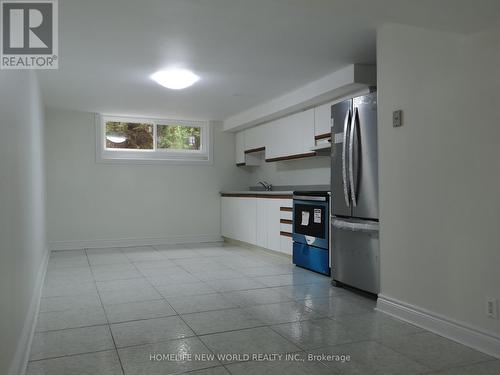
<point>310,171</point>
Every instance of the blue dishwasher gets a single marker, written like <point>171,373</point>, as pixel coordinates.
<point>311,230</point>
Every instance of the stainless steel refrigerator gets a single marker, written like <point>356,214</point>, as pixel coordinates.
<point>354,202</point>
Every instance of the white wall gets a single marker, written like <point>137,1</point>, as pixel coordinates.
<point>23,250</point>
<point>308,171</point>
<point>114,204</point>
<point>440,172</point>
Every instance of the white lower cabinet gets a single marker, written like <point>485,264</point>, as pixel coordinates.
<point>262,223</point>
<point>246,224</point>
<point>273,226</point>
<point>226,226</point>
<point>255,221</point>
<point>239,219</point>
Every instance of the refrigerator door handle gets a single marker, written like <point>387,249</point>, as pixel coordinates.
<point>352,185</point>
<point>347,120</point>
<point>356,226</point>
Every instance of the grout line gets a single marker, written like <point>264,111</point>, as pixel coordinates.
<point>72,355</point>
<point>178,315</point>
<point>66,329</point>
<point>421,362</point>
<point>192,329</point>
<point>264,325</point>
<point>202,369</point>
<point>218,292</point>
<point>249,360</point>
<point>107,320</point>
<point>458,366</point>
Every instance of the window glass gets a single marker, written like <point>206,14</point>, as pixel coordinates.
<point>153,140</point>
<point>178,137</point>
<point>129,135</point>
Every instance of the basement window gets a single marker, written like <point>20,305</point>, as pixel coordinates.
<point>148,140</point>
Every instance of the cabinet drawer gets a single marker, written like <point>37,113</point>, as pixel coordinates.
<point>286,215</point>
<point>310,257</point>
<point>286,227</point>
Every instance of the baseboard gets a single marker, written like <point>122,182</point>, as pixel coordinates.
<point>21,356</point>
<point>453,330</point>
<point>127,242</point>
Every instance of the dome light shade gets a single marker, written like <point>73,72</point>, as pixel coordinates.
<point>116,138</point>
<point>175,79</point>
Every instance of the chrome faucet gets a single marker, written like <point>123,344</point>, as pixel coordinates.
<point>267,186</point>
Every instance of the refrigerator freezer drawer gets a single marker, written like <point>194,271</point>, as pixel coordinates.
<point>355,256</point>
<point>312,258</point>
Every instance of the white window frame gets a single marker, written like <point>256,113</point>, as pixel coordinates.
<point>156,155</point>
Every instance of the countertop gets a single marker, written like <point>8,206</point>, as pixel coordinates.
<point>279,191</point>
<point>257,193</point>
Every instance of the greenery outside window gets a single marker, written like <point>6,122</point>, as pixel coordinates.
<point>125,139</point>
<point>178,137</point>
<point>129,135</point>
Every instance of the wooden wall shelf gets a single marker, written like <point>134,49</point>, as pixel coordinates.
<point>291,157</point>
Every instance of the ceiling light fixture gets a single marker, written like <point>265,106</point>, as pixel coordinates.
<point>116,138</point>
<point>175,79</point>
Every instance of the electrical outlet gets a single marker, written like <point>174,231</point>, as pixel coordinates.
<point>492,307</point>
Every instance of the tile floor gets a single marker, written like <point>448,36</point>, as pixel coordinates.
<point>106,311</point>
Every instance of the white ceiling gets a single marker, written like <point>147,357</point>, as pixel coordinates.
<point>246,51</point>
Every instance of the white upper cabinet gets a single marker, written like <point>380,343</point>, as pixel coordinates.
<point>277,138</point>
<point>254,138</point>
<point>349,79</point>
<point>322,119</point>
<point>307,129</point>
<point>291,136</point>
<point>240,147</point>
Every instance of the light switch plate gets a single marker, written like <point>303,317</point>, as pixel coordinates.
<point>397,119</point>
<point>492,307</point>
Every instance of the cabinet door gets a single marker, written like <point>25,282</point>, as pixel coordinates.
<point>291,135</point>
<point>254,138</point>
<point>284,137</point>
<point>246,220</point>
<point>286,243</point>
<point>227,217</point>
<point>322,119</point>
<point>240,147</point>
<point>274,140</point>
<point>262,222</point>
<point>273,224</point>
<point>307,131</point>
